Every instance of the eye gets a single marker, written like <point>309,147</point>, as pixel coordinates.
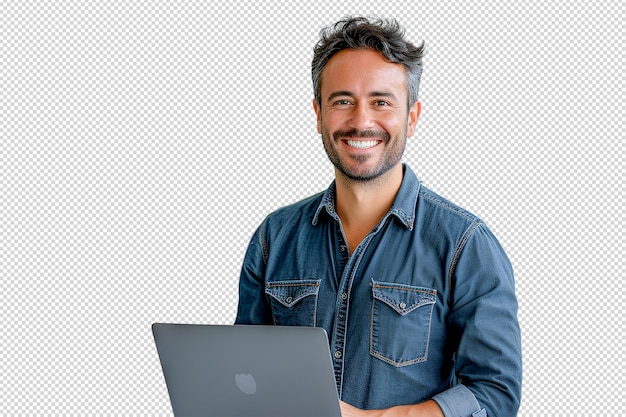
<point>381,103</point>
<point>342,102</point>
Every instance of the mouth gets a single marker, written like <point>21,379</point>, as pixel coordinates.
<point>361,140</point>
<point>362,144</point>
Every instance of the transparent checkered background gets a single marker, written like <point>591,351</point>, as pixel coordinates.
<point>143,142</point>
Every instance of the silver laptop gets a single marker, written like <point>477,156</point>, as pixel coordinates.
<point>251,371</point>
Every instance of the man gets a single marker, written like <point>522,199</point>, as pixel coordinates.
<point>416,294</point>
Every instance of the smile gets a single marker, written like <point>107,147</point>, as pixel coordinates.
<point>363,144</point>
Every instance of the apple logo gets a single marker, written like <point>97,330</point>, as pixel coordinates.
<point>246,383</point>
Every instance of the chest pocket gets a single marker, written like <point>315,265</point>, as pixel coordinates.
<point>294,302</point>
<point>400,322</point>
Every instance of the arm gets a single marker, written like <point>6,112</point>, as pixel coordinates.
<point>253,307</point>
<point>483,330</point>
<point>425,409</point>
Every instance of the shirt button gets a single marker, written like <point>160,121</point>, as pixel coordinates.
<point>344,296</point>
<point>343,248</point>
<point>403,305</point>
<point>337,354</point>
<point>289,299</point>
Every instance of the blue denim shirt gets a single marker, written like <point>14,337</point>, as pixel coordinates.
<point>424,308</point>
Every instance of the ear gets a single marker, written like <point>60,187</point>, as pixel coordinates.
<point>414,115</point>
<point>318,114</point>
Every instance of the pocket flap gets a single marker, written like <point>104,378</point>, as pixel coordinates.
<point>288,293</point>
<point>403,298</point>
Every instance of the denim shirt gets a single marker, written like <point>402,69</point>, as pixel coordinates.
<point>424,308</point>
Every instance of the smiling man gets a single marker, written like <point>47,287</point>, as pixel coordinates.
<point>415,293</point>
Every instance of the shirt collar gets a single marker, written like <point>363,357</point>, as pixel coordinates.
<point>403,207</point>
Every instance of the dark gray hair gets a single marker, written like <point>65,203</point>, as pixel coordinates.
<point>385,36</point>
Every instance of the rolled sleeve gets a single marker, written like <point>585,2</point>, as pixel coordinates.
<point>458,401</point>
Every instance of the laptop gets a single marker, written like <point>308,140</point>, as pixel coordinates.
<point>247,370</point>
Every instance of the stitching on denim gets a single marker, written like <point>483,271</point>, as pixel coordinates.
<point>403,311</point>
<point>313,290</point>
<point>475,223</point>
<point>353,266</point>
<point>295,300</point>
<point>263,242</point>
<point>312,285</point>
<point>408,219</point>
<point>457,253</point>
<point>401,364</point>
<point>404,288</point>
<point>428,296</point>
<point>379,355</point>
<point>297,284</point>
<point>397,364</point>
<point>449,206</point>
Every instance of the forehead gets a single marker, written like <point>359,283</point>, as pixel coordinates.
<point>362,70</point>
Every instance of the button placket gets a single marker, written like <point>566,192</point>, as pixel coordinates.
<point>345,284</point>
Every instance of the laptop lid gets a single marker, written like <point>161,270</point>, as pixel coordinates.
<point>245,370</point>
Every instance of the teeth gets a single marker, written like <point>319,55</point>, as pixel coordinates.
<point>360,144</point>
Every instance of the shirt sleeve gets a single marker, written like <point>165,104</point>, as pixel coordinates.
<point>459,401</point>
<point>252,306</point>
<point>483,327</point>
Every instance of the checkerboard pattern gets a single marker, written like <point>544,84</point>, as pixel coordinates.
<point>141,143</point>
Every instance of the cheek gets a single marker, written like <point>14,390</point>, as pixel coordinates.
<point>329,122</point>
<point>394,123</point>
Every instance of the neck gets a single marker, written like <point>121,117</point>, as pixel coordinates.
<point>362,204</point>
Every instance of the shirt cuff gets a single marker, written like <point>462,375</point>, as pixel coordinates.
<point>458,401</point>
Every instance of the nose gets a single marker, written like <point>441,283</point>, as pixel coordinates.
<point>361,117</point>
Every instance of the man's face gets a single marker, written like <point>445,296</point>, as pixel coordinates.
<point>363,118</point>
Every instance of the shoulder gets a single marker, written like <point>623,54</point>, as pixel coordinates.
<point>293,215</point>
<point>444,223</point>
<point>443,220</point>
<point>438,208</point>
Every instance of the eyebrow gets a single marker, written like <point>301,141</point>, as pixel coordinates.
<point>372,94</point>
